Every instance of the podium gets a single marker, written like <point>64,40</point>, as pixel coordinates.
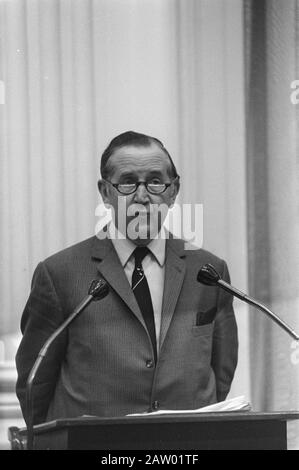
<point>201,431</point>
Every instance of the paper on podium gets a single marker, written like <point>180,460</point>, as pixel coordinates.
<point>233,404</point>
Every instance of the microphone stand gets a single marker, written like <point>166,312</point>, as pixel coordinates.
<point>98,289</point>
<point>259,306</point>
<point>209,276</point>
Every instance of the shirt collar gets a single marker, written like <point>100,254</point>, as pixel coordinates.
<point>125,247</point>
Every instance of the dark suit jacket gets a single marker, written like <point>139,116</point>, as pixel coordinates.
<point>101,365</point>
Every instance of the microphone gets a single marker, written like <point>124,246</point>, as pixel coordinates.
<point>98,289</point>
<point>210,277</point>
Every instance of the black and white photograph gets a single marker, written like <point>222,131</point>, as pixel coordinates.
<point>149,227</point>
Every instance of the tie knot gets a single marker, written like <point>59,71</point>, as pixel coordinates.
<point>140,253</point>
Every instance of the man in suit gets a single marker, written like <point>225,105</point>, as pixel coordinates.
<point>159,340</point>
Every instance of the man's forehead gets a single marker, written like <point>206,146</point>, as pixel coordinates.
<point>132,157</point>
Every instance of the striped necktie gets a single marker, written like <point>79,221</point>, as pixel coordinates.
<point>143,296</point>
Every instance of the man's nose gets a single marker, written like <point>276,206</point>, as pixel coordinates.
<point>141,195</point>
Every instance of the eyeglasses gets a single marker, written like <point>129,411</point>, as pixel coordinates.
<point>130,188</point>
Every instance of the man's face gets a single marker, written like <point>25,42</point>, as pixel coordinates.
<point>132,164</point>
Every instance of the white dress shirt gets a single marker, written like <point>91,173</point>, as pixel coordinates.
<point>153,266</point>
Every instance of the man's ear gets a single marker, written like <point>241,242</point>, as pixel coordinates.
<point>175,190</point>
<point>104,192</point>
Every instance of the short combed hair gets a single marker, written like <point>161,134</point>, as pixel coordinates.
<point>135,139</point>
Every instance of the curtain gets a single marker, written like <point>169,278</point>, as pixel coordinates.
<point>78,72</point>
<point>272,45</point>
<point>211,147</point>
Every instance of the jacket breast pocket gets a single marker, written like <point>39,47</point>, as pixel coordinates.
<point>203,330</point>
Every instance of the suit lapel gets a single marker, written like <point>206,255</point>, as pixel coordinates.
<point>111,269</point>
<point>174,275</point>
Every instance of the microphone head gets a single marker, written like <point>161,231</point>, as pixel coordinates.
<point>208,275</point>
<point>98,289</point>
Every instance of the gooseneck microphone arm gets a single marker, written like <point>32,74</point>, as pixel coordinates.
<point>209,276</point>
<point>98,290</point>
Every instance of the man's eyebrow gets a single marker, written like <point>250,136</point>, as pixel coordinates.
<point>133,173</point>
<point>127,173</point>
<point>156,172</point>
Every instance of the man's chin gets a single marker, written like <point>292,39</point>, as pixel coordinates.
<point>141,241</point>
<point>143,236</point>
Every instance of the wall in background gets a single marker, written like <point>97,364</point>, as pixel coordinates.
<point>77,73</point>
